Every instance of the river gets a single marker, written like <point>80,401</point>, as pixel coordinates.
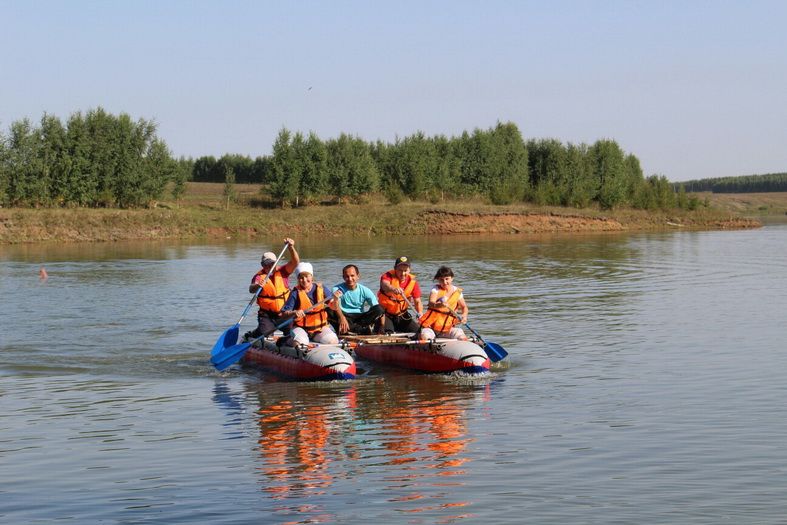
<point>647,383</point>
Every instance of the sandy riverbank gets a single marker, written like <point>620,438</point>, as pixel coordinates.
<point>57,225</point>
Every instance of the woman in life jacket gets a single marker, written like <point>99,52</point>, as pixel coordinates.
<point>439,321</point>
<point>310,321</point>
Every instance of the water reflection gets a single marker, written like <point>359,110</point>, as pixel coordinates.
<point>404,437</point>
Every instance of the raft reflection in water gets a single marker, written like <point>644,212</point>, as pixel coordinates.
<point>404,438</point>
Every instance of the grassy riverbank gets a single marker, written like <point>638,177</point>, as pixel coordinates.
<point>771,204</point>
<point>202,213</point>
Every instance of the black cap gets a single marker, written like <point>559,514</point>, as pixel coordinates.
<point>401,260</point>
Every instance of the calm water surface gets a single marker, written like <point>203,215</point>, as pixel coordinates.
<point>647,384</point>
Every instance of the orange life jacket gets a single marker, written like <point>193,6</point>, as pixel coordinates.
<point>274,294</point>
<point>315,320</point>
<point>438,318</point>
<point>394,303</point>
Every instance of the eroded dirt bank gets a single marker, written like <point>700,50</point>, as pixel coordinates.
<point>442,222</point>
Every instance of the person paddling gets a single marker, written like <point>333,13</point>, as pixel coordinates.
<point>311,325</point>
<point>398,288</point>
<point>274,292</point>
<point>439,321</point>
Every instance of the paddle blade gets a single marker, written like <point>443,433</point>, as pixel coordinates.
<point>495,352</point>
<point>225,340</point>
<point>229,356</point>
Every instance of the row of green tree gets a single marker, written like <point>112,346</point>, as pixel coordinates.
<point>98,159</point>
<point>742,184</point>
<point>95,159</point>
<point>497,163</point>
<point>246,170</point>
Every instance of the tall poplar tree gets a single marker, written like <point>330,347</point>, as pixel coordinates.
<point>608,168</point>
<point>314,166</point>
<point>284,177</point>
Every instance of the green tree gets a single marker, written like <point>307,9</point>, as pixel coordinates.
<point>682,200</point>
<point>132,182</point>
<point>505,170</point>
<point>80,181</point>
<point>241,165</point>
<point>663,193</point>
<point>24,183</point>
<point>644,197</point>
<point>98,159</point>
<point>204,170</point>
<point>285,177</point>
<point>447,175</point>
<point>159,168</point>
<point>467,149</point>
<point>548,169</point>
<point>313,160</point>
<point>53,158</point>
<point>261,170</point>
<point>4,170</point>
<point>351,169</point>
<point>417,164</point>
<point>741,184</point>
<point>102,138</point>
<point>298,163</point>
<point>582,185</point>
<point>633,176</point>
<point>229,185</point>
<point>609,170</point>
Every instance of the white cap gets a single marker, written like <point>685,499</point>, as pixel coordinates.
<point>304,267</point>
<point>268,258</point>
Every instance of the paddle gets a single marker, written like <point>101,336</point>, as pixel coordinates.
<point>411,308</point>
<point>233,354</point>
<point>493,350</point>
<point>230,336</point>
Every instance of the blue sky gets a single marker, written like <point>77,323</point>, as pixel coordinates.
<point>695,89</point>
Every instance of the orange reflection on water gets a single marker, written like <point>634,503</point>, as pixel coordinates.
<point>310,439</point>
<point>427,437</point>
<point>293,445</point>
<point>274,444</point>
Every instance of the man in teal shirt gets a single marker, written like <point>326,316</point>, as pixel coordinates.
<point>358,310</point>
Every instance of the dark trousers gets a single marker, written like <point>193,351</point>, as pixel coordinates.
<point>363,323</point>
<point>267,323</point>
<point>401,323</point>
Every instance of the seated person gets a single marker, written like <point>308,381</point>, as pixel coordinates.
<point>306,305</point>
<point>357,311</point>
<point>446,302</point>
<point>398,287</point>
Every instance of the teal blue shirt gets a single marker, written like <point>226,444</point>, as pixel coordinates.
<point>355,301</point>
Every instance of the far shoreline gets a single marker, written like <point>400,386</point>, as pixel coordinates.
<point>206,221</point>
<point>203,214</point>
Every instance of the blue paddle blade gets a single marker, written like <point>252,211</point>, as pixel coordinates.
<point>495,352</point>
<point>225,340</point>
<point>229,356</point>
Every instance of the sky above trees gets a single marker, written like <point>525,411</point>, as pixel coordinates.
<point>694,89</point>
